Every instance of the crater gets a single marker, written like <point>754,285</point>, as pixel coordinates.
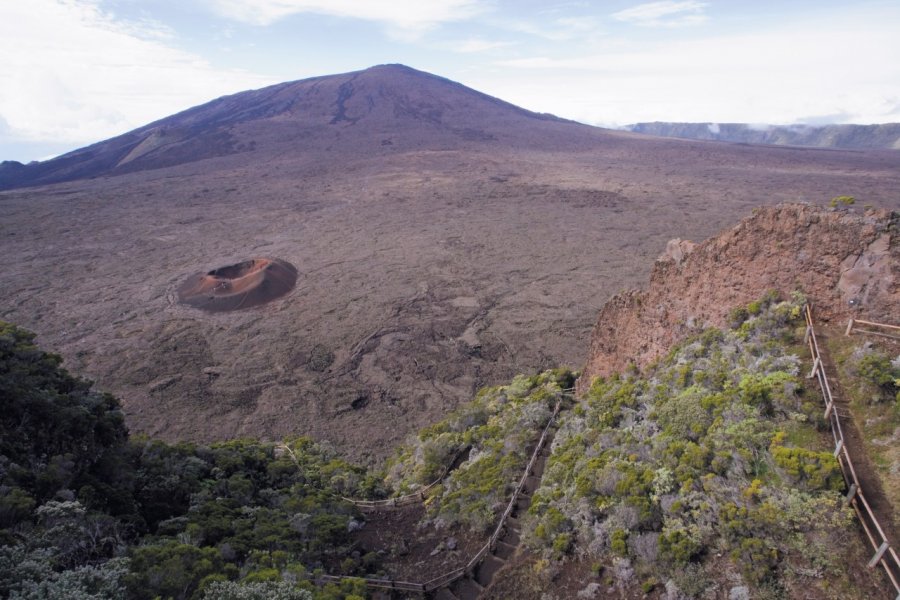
<point>246,284</point>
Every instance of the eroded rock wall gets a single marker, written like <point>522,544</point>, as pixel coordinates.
<point>845,262</point>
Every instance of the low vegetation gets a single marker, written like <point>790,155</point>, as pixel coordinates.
<point>495,433</point>
<point>869,370</point>
<point>698,467</point>
<point>87,512</point>
<point>842,201</point>
<point>710,464</point>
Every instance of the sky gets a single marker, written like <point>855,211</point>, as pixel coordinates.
<point>74,72</point>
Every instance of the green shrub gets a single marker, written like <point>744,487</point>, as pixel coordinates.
<point>842,201</point>
<point>876,369</point>
<point>562,544</point>
<point>757,560</point>
<point>817,470</point>
<point>764,391</point>
<point>498,428</point>
<point>685,416</point>
<point>737,317</point>
<point>270,590</point>
<point>683,460</point>
<point>678,545</point>
<point>618,542</point>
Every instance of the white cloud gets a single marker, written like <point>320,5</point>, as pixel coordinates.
<point>668,13</point>
<point>577,24</point>
<point>72,73</point>
<point>404,18</point>
<point>782,75</point>
<point>473,45</point>
<point>561,29</point>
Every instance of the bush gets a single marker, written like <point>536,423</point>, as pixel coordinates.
<point>498,428</point>
<point>842,201</point>
<point>657,470</point>
<point>270,590</point>
<point>32,575</point>
<point>678,545</point>
<point>757,560</point>
<point>817,470</point>
<point>618,542</point>
<point>56,429</point>
<point>877,369</point>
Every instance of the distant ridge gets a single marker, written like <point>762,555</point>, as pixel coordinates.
<point>378,110</point>
<point>851,137</point>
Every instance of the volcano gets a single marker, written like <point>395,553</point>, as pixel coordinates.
<point>244,285</point>
<point>384,109</point>
<point>444,240</point>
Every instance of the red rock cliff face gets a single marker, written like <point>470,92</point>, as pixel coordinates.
<point>845,263</point>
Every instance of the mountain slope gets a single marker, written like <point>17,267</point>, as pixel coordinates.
<point>359,112</point>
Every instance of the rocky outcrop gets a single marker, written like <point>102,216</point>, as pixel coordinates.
<point>846,263</point>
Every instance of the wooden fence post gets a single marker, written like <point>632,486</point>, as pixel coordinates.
<point>851,493</point>
<point>837,449</point>
<point>881,550</point>
<point>806,335</point>
<point>849,327</point>
<point>816,364</point>
<point>828,408</point>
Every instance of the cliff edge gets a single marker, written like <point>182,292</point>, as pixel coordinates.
<point>846,263</point>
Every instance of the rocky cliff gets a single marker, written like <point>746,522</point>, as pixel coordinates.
<point>846,263</point>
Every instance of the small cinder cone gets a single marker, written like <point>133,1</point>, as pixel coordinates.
<point>244,285</point>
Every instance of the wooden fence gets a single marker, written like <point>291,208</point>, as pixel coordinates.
<point>884,553</point>
<point>446,579</point>
<point>853,326</point>
<point>415,497</point>
<point>400,501</point>
<point>388,503</point>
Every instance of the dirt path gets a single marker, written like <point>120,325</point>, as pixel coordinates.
<point>853,438</point>
<point>412,553</point>
<point>478,584</point>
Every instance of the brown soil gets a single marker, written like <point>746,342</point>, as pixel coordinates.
<point>247,284</point>
<point>526,579</point>
<point>411,552</point>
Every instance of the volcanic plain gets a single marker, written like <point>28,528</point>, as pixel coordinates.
<point>443,240</point>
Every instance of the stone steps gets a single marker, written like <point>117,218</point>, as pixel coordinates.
<point>488,568</point>
<point>467,589</point>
